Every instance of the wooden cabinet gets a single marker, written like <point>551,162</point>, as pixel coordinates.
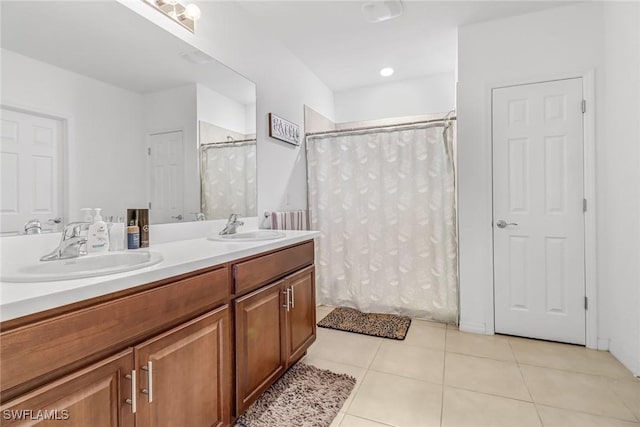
<point>96,396</point>
<point>275,325</point>
<point>301,316</point>
<point>260,357</point>
<point>184,375</point>
<point>180,351</point>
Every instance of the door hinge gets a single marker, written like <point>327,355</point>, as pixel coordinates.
<point>584,106</point>
<point>586,303</point>
<point>149,151</point>
<point>584,205</point>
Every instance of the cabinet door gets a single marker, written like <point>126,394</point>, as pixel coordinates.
<point>96,396</point>
<point>301,316</point>
<point>260,356</point>
<point>184,375</point>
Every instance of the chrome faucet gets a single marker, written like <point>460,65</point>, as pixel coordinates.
<point>33,226</point>
<point>232,224</point>
<point>73,242</point>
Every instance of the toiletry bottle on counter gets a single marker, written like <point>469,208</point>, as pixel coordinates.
<point>133,235</point>
<point>116,235</point>
<point>98,239</point>
<point>86,214</point>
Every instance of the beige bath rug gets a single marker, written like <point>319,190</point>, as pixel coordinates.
<point>376,324</point>
<point>305,396</point>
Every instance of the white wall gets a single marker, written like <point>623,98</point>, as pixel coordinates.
<point>220,110</point>
<point>172,110</point>
<point>284,84</point>
<point>559,42</point>
<point>619,184</point>
<point>411,97</point>
<point>105,154</point>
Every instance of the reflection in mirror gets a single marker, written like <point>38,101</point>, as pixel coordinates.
<point>100,108</point>
<point>227,161</point>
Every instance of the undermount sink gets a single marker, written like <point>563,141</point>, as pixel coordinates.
<point>80,267</point>
<point>249,236</point>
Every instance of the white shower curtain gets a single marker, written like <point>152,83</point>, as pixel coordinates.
<point>228,175</point>
<point>384,203</point>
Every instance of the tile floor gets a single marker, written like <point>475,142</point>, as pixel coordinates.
<point>439,376</point>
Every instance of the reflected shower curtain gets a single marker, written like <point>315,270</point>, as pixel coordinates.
<point>384,203</point>
<point>228,175</point>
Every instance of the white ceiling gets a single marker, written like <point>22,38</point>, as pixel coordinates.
<point>333,39</point>
<point>106,41</point>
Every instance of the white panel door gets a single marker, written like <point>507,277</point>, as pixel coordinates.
<point>167,177</point>
<point>30,157</point>
<point>538,218</point>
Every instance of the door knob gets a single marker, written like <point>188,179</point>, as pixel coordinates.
<point>178,217</point>
<point>504,224</point>
<point>57,220</point>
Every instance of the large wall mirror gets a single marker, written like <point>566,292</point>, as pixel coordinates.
<point>102,108</point>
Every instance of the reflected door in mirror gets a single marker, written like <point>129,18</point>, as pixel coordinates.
<point>167,176</point>
<point>30,158</point>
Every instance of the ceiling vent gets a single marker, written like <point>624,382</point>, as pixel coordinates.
<point>379,11</point>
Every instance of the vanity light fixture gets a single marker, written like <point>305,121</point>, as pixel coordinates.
<point>386,72</point>
<point>185,15</point>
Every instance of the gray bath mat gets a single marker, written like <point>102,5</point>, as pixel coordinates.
<point>305,396</point>
<point>375,324</point>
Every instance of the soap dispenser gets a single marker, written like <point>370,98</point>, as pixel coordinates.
<point>116,235</point>
<point>98,239</point>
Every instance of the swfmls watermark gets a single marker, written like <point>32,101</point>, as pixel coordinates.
<point>35,415</point>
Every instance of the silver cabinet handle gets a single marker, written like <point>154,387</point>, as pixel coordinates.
<point>149,391</point>
<point>504,224</point>
<point>178,217</point>
<point>134,398</point>
<point>293,298</point>
<point>56,220</point>
<point>287,304</point>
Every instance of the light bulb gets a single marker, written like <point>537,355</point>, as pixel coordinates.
<point>172,2</point>
<point>192,11</point>
<point>386,72</point>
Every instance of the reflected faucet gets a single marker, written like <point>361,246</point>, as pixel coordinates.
<point>232,224</point>
<point>73,242</point>
<point>33,226</point>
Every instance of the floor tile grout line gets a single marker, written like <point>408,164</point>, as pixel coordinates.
<point>444,367</point>
<point>489,394</point>
<point>481,357</point>
<point>526,386</point>
<point>369,419</point>
<point>536,404</point>
<point>583,412</point>
<point>590,374</point>
<point>615,393</point>
<point>404,376</point>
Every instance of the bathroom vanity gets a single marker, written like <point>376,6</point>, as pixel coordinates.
<point>196,348</point>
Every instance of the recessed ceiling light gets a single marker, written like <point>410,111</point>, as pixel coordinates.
<point>386,72</point>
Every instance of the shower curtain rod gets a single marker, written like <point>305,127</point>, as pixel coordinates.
<point>419,122</point>
<point>228,143</point>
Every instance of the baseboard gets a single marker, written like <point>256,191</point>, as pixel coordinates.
<point>474,328</point>
<point>603,344</point>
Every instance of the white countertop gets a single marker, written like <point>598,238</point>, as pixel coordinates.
<point>179,257</point>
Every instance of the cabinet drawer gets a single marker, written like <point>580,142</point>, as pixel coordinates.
<point>252,274</point>
<point>32,352</point>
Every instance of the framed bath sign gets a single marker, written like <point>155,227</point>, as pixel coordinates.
<point>283,130</point>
